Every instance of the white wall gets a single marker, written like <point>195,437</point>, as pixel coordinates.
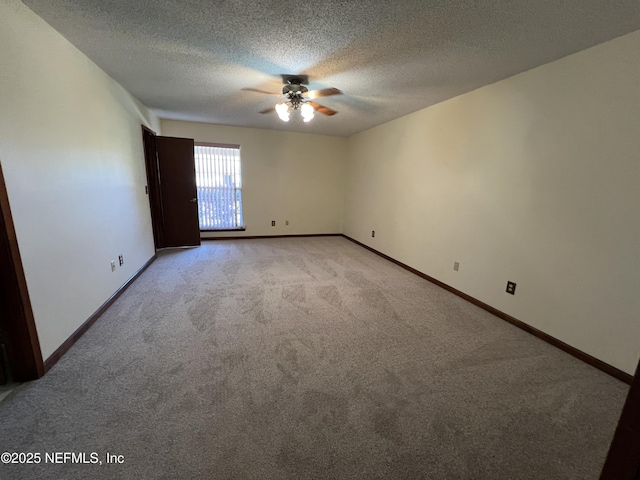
<point>534,179</point>
<point>71,151</point>
<point>286,176</point>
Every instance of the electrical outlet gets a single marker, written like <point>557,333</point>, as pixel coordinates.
<point>456,266</point>
<point>146,189</point>
<point>511,288</point>
<point>286,222</point>
<point>113,265</point>
<point>121,259</point>
<point>273,223</point>
<point>373,233</point>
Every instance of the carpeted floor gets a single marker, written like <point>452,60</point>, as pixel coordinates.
<point>308,358</point>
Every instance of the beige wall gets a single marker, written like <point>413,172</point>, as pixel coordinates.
<point>71,151</point>
<point>535,179</point>
<point>286,176</point>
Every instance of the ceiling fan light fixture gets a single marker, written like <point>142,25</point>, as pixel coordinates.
<point>296,96</point>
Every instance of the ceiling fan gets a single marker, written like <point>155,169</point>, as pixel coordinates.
<point>298,97</point>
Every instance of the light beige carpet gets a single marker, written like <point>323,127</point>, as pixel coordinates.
<point>309,358</point>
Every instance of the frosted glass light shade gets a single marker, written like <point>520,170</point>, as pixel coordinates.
<point>282,109</point>
<point>307,112</point>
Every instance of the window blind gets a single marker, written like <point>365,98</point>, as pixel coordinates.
<point>219,186</point>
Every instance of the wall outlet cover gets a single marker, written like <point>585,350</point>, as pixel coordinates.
<point>511,288</point>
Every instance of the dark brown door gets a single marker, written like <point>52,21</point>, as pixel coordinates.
<point>623,461</point>
<point>172,190</point>
<point>177,173</point>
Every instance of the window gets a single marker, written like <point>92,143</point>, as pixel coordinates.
<point>219,185</point>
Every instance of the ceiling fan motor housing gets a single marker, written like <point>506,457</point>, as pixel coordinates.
<point>295,89</point>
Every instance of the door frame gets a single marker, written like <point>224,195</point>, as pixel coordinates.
<point>153,185</point>
<point>19,333</point>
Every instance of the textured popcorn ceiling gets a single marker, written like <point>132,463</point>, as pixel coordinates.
<point>189,59</point>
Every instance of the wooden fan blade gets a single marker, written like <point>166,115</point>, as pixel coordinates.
<point>260,91</point>
<point>325,92</point>
<point>322,109</point>
<point>268,110</point>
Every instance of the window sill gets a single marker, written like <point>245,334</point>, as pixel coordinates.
<point>239,229</point>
